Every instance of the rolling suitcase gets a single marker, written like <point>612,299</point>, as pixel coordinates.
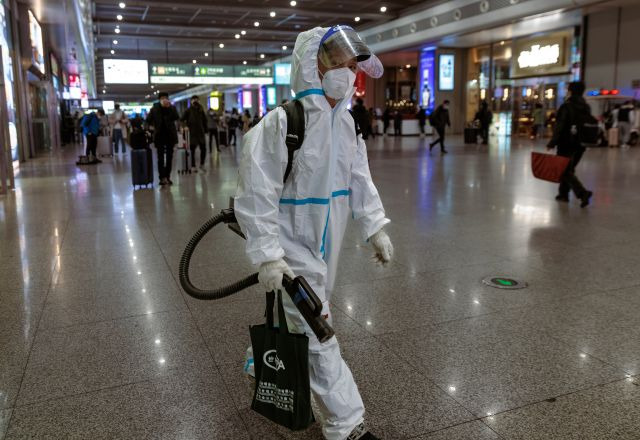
<point>183,161</point>
<point>613,137</point>
<point>471,135</point>
<point>104,147</point>
<point>222,138</point>
<point>141,167</point>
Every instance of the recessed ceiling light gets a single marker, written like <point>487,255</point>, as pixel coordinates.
<point>256,23</point>
<point>502,43</point>
<point>112,51</point>
<point>119,17</point>
<point>153,86</point>
<point>117,30</point>
<point>293,2</point>
<point>193,61</point>
<point>357,19</point>
<point>122,5</point>
<point>104,91</point>
<point>115,42</point>
<point>383,9</point>
<point>206,54</point>
<point>261,55</point>
<point>284,47</point>
<point>243,32</point>
<point>221,45</point>
<point>244,62</point>
<point>237,36</point>
<point>408,66</point>
<point>272,14</point>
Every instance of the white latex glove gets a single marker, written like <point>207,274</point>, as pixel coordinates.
<point>271,272</point>
<point>382,245</point>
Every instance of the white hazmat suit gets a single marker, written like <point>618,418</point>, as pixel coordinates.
<point>304,220</point>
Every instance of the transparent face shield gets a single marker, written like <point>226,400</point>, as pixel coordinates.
<point>341,44</point>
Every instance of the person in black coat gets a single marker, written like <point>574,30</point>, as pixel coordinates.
<point>422,119</point>
<point>361,115</point>
<point>162,118</point>
<point>397,124</point>
<point>196,120</point>
<point>386,120</point>
<point>484,117</point>
<point>568,145</point>
<point>440,120</point>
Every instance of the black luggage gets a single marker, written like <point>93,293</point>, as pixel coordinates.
<point>139,139</point>
<point>223,138</point>
<point>141,167</point>
<point>471,135</point>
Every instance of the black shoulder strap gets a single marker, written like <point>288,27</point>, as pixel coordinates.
<point>295,131</point>
<point>355,123</point>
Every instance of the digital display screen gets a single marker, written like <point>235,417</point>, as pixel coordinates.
<point>283,74</point>
<point>126,71</point>
<point>271,96</point>
<point>427,74</point>
<point>37,45</point>
<point>246,99</point>
<point>446,70</point>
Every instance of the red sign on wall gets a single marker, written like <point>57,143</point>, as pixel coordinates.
<point>361,81</point>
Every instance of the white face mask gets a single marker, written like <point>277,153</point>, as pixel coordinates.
<point>337,83</point>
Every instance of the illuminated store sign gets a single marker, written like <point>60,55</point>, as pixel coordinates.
<point>426,73</point>
<point>539,56</point>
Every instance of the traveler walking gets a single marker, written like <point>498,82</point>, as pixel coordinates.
<point>118,121</point>
<point>386,121</point>
<point>361,116</point>
<point>484,117</point>
<point>397,124</point>
<point>538,121</point>
<point>246,121</point>
<point>439,120</point>
<point>268,200</point>
<point>212,126</point>
<point>163,117</point>
<point>623,117</point>
<point>232,126</point>
<point>422,120</point>
<point>91,129</point>
<point>571,115</point>
<point>196,121</point>
<point>373,122</point>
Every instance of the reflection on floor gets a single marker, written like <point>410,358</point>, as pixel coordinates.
<point>98,341</point>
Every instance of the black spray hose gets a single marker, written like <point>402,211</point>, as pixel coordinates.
<point>226,216</point>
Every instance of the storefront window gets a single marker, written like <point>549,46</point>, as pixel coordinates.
<point>7,68</point>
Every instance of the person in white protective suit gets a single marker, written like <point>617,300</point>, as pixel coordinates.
<point>297,228</point>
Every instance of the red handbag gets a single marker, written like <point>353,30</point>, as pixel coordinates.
<point>549,167</point>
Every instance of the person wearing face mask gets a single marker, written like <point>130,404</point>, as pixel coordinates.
<point>163,117</point>
<point>295,226</point>
<point>440,120</point>
<point>196,120</point>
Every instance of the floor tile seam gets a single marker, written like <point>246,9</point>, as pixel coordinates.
<point>92,391</point>
<point>421,373</point>
<point>199,330</point>
<point>119,318</point>
<point>581,390</point>
<point>477,419</point>
<point>605,362</point>
<point>37,329</point>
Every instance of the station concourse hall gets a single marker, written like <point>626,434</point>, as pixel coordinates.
<point>457,183</point>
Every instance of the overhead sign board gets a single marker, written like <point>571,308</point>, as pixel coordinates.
<point>206,74</point>
<point>283,73</point>
<point>545,55</point>
<point>126,71</point>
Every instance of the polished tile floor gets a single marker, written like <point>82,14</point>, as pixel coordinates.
<point>97,340</point>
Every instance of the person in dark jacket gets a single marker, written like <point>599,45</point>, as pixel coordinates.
<point>484,117</point>
<point>162,118</point>
<point>397,124</point>
<point>91,128</point>
<point>566,140</point>
<point>440,120</point>
<point>422,119</point>
<point>386,121</point>
<point>213,121</point>
<point>361,115</point>
<point>196,121</point>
